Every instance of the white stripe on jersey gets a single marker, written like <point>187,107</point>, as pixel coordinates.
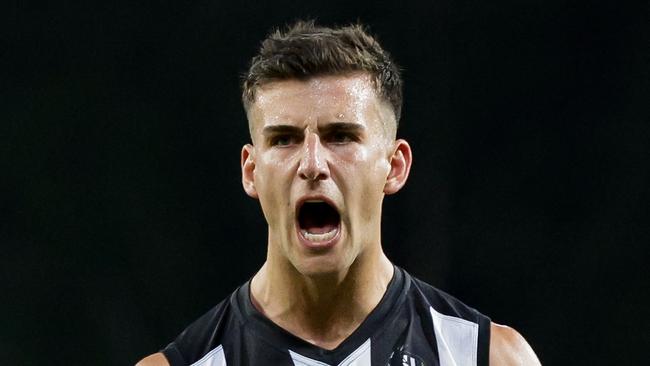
<point>457,339</point>
<point>212,358</point>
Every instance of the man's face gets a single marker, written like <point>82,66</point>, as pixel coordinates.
<point>321,161</point>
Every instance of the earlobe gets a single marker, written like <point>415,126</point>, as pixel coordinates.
<point>400,166</point>
<point>248,170</point>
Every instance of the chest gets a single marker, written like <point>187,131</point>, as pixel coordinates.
<point>403,342</point>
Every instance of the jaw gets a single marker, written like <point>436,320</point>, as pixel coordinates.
<point>328,264</point>
<point>311,259</point>
<point>315,247</point>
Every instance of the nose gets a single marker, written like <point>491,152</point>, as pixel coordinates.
<point>313,163</point>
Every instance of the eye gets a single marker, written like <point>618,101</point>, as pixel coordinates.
<point>341,138</point>
<point>282,140</point>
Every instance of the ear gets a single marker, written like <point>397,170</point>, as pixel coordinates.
<point>400,166</point>
<point>248,170</point>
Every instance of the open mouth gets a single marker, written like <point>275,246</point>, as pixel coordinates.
<point>318,221</point>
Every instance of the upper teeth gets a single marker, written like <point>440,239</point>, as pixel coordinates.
<point>318,237</point>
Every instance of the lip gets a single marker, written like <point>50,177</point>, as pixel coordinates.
<point>320,245</point>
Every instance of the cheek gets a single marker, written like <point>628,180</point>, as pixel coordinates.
<point>363,179</point>
<point>363,167</point>
<point>351,159</point>
<point>274,169</point>
<point>375,168</point>
<point>272,181</point>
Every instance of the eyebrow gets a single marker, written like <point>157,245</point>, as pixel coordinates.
<point>329,128</point>
<point>342,127</point>
<point>280,129</point>
<point>334,126</point>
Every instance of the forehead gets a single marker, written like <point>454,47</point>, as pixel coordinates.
<point>351,97</point>
<point>356,86</point>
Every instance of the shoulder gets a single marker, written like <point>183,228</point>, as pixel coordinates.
<point>157,359</point>
<point>199,338</point>
<point>508,347</point>
<point>445,304</point>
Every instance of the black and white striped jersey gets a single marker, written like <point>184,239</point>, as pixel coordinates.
<point>414,324</point>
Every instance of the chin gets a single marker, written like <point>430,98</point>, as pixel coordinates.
<point>321,266</point>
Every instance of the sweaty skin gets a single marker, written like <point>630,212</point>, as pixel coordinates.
<point>322,139</point>
<point>332,139</point>
<point>509,348</point>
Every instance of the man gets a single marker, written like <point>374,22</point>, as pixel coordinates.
<point>323,107</point>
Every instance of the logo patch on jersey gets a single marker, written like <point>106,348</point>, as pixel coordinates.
<point>403,358</point>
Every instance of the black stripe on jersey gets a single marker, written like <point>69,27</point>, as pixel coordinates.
<point>399,329</point>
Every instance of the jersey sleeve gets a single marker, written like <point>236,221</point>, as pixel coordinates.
<point>199,338</point>
<point>173,355</point>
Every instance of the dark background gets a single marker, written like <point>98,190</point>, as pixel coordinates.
<point>123,218</point>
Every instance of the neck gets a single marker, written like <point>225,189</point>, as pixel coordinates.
<point>322,310</point>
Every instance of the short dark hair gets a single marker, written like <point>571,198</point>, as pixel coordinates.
<point>304,49</point>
